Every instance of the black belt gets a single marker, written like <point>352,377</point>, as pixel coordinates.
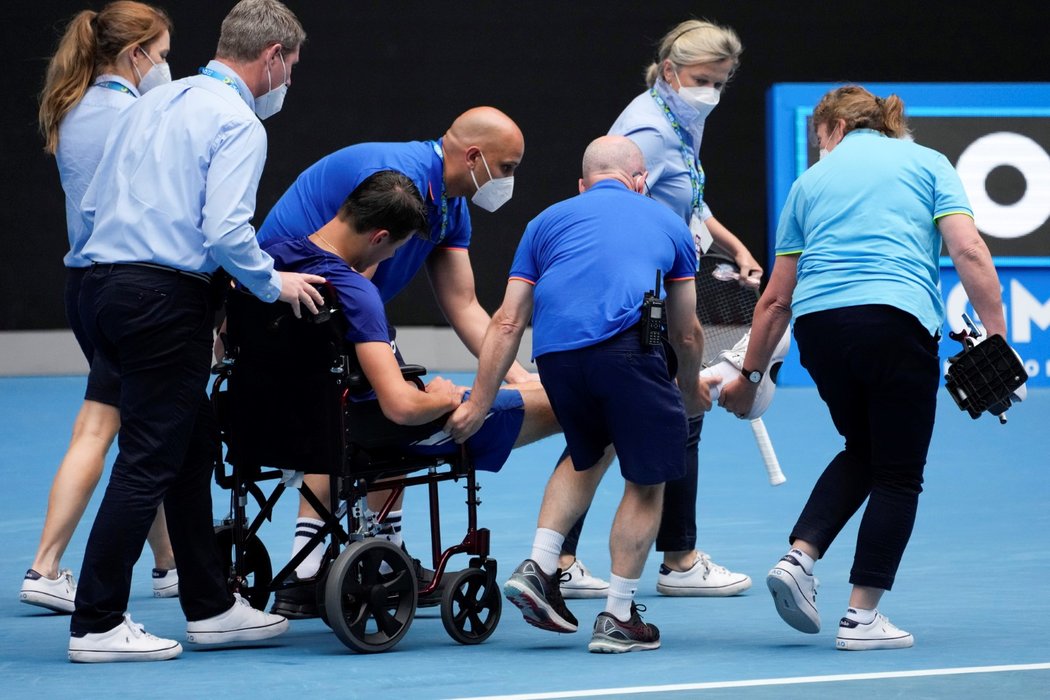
<point>202,276</point>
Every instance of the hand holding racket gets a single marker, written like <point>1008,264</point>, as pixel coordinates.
<point>726,309</point>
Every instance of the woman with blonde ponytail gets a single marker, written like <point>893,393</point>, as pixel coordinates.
<point>857,266</point>
<point>103,62</point>
<point>694,62</point>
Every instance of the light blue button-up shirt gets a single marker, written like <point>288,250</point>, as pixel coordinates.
<point>644,122</point>
<point>81,136</point>
<point>177,180</point>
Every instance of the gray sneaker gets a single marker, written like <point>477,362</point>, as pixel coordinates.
<point>614,637</point>
<point>539,598</point>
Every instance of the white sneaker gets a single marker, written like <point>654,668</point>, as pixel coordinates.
<point>241,623</point>
<point>165,583</point>
<point>795,594</point>
<point>55,594</point>
<point>582,584</point>
<point>880,633</point>
<point>128,641</point>
<point>703,579</point>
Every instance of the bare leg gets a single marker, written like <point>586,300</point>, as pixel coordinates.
<point>806,547</point>
<point>865,597</point>
<point>93,431</point>
<point>634,528</point>
<point>163,557</point>
<point>539,421</point>
<point>569,493</point>
<point>566,560</point>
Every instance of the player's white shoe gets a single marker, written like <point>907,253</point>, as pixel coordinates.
<point>880,633</point>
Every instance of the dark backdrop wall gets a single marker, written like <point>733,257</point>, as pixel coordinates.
<point>402,70</point>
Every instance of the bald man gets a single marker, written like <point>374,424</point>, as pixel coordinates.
<point>476,158</point>
<point>581,274</point>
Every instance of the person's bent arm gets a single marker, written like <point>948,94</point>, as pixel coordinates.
<point>452,279</point>
<point>772,316</point>
<point>402,402</point>
<point>973,262</point>
<point>687,339</point>
<point>497,353</point>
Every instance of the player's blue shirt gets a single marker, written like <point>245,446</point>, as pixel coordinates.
<point>366,322</point>
<point>864,220</point>
<point>592,258</point>
<point>316,195</point>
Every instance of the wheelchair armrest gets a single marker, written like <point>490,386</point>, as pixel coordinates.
<point>357,381</point>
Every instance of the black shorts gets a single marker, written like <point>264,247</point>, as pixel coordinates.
<point>104,381</point>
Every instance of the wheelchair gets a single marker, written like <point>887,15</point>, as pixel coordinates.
<point>290,399</point>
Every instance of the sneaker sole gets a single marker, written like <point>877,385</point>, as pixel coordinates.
<point>608,646</point>
<point>171,591</point>
<point>536,611</point>
<point>583,593</point>
<point>46,600</point>
<point>847,644</point>
<point>791,604</point>
<point>90,656</point>
<point>702,591</point>
<point>251,634</point>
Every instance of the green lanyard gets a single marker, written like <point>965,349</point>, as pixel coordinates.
<point>692,165</point>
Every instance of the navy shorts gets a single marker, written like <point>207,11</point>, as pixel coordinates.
<point>103,381</point>
<point>490,447</point>
<point>618,392</point>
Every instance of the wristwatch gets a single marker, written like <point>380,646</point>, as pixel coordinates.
<point>753,376</point>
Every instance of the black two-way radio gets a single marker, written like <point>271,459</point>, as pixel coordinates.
<point>654,323</point>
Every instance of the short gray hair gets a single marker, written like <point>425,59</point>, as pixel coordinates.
<point>252,25</point>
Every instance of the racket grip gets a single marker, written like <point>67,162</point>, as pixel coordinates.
<point>769,457</point>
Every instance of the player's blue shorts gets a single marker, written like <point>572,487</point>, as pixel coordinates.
<point>618,392</point>
<point>490,447</point>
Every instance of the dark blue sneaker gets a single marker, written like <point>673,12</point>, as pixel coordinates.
<point>538,595</point>
<point>614,637</point>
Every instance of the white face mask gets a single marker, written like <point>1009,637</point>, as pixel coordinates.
<point>270,104</point>
<point>494,193</point>
<point>702,99</point>
<point>159,74</point>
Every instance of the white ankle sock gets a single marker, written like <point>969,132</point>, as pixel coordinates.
<point>305,528</point>
<point>621,595</point>
<point>546,549</point>
<point>391,528</point>
<point>804,559</point>
<point>861,615</point>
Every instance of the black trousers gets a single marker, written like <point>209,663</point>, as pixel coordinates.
<point>155,326</point>
<point>678,523</point>
<point>877,370</point>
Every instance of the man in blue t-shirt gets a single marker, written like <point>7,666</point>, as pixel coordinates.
<point>475,158</point>
<point>581,273</point>
<point>373,223</point>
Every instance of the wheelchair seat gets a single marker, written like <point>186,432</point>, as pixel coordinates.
<point>290,398</point>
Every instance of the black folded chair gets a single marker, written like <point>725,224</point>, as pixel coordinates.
<point>291,399</point>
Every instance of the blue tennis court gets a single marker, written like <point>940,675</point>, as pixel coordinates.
<point>974,587</point>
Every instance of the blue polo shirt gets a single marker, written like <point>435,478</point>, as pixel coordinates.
<point>592,258</point>
<point>864,221</point>
<point>316,195</point>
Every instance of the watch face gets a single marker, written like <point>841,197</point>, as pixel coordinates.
<point>754,377</point>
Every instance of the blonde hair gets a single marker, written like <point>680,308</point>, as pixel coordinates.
<point>91,41</point>
<point>253,25</point>
<point>695,41</point>
<point>860,109</point>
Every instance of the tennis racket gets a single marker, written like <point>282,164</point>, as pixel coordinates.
<point>725,309</point>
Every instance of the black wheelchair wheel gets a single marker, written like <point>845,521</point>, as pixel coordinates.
<point>370,606</point>
<point>253,583</point>
<point>470,606</point>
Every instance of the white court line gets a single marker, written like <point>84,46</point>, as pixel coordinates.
<point>638,690</point>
